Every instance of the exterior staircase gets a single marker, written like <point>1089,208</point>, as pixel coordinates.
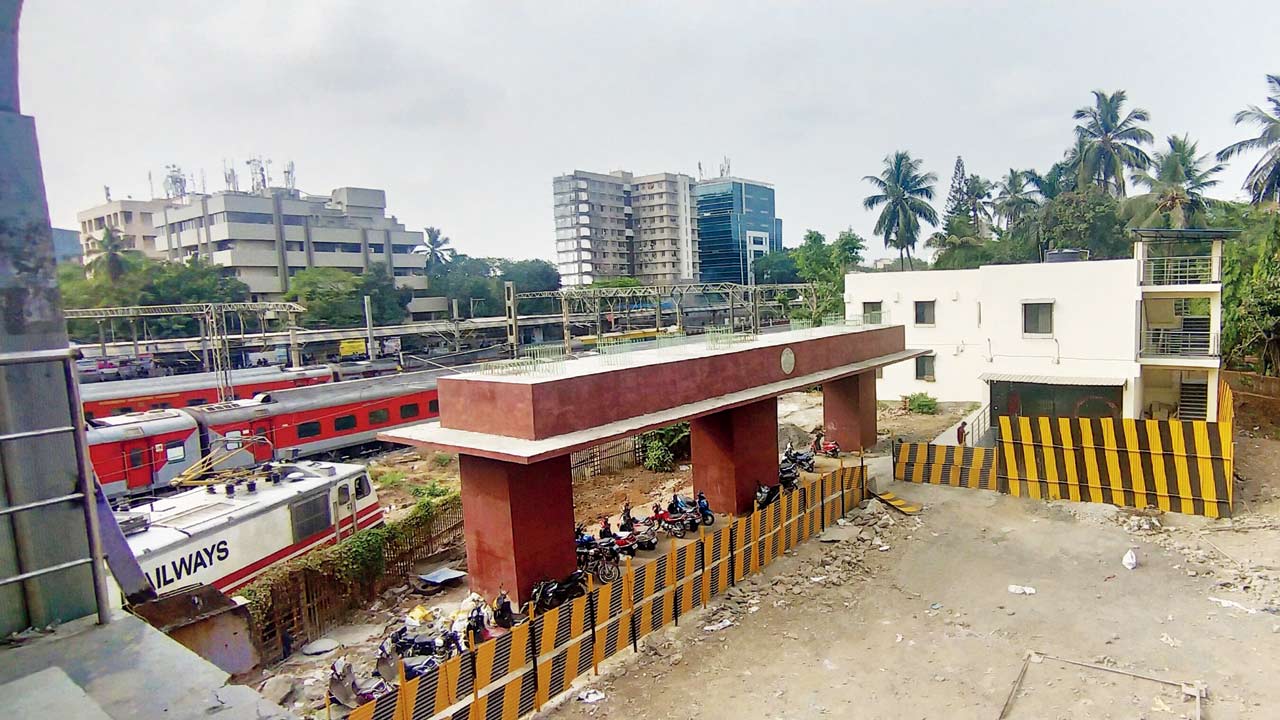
<point>1193,400</point>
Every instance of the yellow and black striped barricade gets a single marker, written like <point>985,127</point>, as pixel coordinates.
<point>970,467</point>
<point>1174,465</point>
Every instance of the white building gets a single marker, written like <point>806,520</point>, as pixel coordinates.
<point>1135,338</point>
<point>131,220</point>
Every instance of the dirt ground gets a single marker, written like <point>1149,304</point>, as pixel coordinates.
<point>1257,416</point>
<point>800,414</point>
<point>927,628</point>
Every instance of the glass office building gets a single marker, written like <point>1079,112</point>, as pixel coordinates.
<point>736,225</point>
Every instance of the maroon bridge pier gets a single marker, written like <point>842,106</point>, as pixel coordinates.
<point>514,432</point>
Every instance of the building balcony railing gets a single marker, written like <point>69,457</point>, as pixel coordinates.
<point>1178,343</point>
<point>1180,271</point>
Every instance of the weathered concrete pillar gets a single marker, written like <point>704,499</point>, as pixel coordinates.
<point>518,521</point>
<point>849,411</point>
<point>734,451</point>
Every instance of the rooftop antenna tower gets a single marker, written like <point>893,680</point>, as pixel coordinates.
<point>257,175</point>
<point>175,182</point>
<point>724,167</point>
<point>290,177</point>
<point>701,174</point>
<point>106,190</point>
<point>229,177</point>
<point>151,186</point>
<point>203,190</point>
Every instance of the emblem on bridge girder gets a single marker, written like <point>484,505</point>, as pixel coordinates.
<point>788,360</point>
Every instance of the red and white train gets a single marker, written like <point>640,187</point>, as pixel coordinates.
<point>121,397</point>
<point>226,536</point>
<point>140,452</point>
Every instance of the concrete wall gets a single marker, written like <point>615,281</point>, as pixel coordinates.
<point>978,324</point>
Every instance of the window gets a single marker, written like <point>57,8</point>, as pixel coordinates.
<point>294,245</point>
<point>160,406</point>
<point>175,451</point>
<point>135,458</point>
<point>193,402</point>
<point>924,312</point>
<point>308,429</point>
<point>1037,318</point>
<point>433,407</point>
<point>346,422</point>
<point>409,411</point>
<point>232,439</point>
<point>344,494</point>
<point>310,516</point>
<point>124,410</point>
<point>362,487</point>
<point>879,373</point>
<point>377,417</point>
<point>872,312</point>
<point>924,368</point>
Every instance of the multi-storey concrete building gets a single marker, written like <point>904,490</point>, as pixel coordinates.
<point>265,238</point>
<point>622,225</point>
<point>737,223</point>
<point>133,221</point>
<point>1133,338</point>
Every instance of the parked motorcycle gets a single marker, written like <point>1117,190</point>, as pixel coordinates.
<point>548,594</point>
<point>441,646</point>
<point>599,560</point>
<point>803,459</point>
<point>672,526</point>
<point>704,509</point>
<point>788,475</point>
<point>346,691</point>
<point>387,658</point>
<point>830,448</point>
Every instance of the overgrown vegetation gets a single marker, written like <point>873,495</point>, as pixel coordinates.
<point>922,403</point>
<point>662,447</point>
<point>357,560</point>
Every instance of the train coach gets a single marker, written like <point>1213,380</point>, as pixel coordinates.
<point>122,397</point>
<point>142,452</point>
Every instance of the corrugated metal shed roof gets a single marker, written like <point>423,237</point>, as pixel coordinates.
<point>1053,379</point>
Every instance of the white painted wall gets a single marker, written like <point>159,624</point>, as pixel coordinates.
<point>978,324</point>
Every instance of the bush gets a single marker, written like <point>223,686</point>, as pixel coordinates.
<point>658,458</point>
<point>922,403</point>
<point>442,459</point>
<point>432,491</point>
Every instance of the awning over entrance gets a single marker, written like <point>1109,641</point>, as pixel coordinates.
<point>1053,379</point>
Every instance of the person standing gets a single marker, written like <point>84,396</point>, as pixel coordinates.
<point>961,431</point>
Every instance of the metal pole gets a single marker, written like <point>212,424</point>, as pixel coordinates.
<point>732,320</point>
<point>87,488</point>
<point>295,352</point>
<point>368,328</point>
<point>513,319</point>
<point>755,309</point>
<point>457,339</point>
<point>679,300</point>
<point>657,312</point>
<point>564,320</point>
<point>133,329</point>
<point>204,344</point>
<point>102,340</point>
<point>599,321</point>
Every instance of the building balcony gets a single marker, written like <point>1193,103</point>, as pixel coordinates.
<point>1180,271</point>
<point>1178,344</point>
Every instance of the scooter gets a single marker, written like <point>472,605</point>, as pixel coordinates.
<point>503,614</point>
<point>804,460</point>
<point>788,476</point>
<point>346,691</point>
<point>385,667</point>
<point>704,509</point>
<point>830,449</point>
<point>766,494</point>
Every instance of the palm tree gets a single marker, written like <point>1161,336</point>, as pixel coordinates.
<point>435,247</point>
<point>905,193</point>
<point>1111,140</point>
<point>1060,178</point>
<point>1176,188</point>
<point>1263,181</point>
<point>977,200</point>
<point>114,256</point>
<point>1016,196</point>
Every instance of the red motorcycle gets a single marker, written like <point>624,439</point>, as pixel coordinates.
<point>829,448</point>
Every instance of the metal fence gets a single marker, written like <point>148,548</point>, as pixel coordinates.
<point>1180,271</point>
<point>609,457</point>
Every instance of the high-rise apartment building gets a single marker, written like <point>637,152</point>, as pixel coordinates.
<point>737,223</point>
<point>623,225</point>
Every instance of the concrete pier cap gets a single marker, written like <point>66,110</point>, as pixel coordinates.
<point>515,432</point>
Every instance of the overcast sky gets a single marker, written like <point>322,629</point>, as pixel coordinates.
<point>464,111</point>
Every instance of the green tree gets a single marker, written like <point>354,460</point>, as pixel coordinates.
<point>532,276</point>
<point>848,250</point>
<point>1015,196</point>
<point>1258,317</point>
<point>957,252</point>
<point>331,296</point>
<point>177,283</point>
<point>1112,140</point>
<point>1058,179</point>
<point>905,193</point>
<point>1175,196</point>
<point>1263,180</point>
<point>616,282</point>
<point>956,199</point>
<point>813,258</point>
<point>114,257</point>
<point>1087,220</point>
<point>388,303</point>
<point>775,268</point>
